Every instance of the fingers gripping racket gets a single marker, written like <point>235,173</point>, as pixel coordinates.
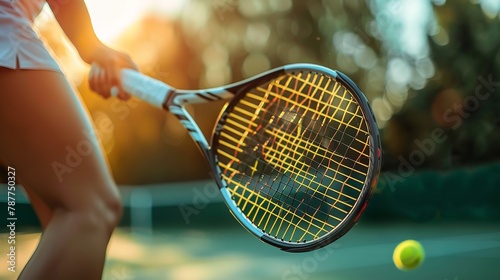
<point>295,152</point>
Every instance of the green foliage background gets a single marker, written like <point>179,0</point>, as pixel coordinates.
<point>211,43</point>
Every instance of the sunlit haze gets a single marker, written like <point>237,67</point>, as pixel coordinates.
<point>111,17</point>
<point>395,50</point>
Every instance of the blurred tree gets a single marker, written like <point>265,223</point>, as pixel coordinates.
<point>211,43</point>
<point>463,96</point>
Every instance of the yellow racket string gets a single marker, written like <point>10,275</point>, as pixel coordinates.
<point>249,212</point>
<point>227,155</point>
<point>308,145</point>
<point>320,102</point>
<point>254,203</point>
<point>294,155</point>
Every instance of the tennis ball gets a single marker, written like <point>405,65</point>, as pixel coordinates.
<point>408,255</point>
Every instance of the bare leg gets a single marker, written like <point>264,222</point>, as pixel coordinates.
<point>42,210</point>
<point>42,121</point>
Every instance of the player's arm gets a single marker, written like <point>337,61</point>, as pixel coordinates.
<point>74,19</point>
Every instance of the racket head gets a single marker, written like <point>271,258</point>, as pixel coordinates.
<point>296,154</point>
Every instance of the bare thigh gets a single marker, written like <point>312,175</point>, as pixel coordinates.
<point>47,135</point>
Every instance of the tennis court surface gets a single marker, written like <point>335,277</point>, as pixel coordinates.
<point>163,243</point>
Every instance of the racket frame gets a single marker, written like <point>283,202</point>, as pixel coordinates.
<point>175,101</point>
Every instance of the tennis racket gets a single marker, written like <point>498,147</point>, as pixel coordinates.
<point>295,151</point>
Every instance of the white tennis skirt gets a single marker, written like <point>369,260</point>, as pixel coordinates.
<point>20,46</point>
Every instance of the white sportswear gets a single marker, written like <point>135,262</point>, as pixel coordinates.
<point>20,45</point>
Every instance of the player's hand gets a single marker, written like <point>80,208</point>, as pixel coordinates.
<point>105,71</point>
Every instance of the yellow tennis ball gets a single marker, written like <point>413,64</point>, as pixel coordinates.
<point>408,255</point>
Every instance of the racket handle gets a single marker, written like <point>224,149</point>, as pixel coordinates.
<point>143,87</point>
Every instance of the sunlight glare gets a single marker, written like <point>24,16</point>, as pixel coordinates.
<point>110,18</point>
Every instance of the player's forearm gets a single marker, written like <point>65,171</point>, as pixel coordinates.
<point>74,19</point>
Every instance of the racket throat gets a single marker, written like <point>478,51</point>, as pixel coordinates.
<point>171,94</point>
<point>193,129</point>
